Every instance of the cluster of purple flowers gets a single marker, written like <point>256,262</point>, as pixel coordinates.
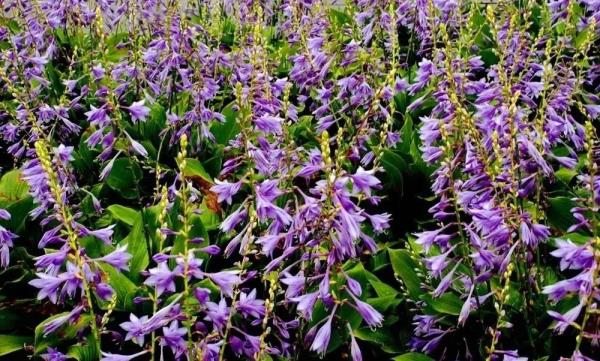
<point>498,136</point>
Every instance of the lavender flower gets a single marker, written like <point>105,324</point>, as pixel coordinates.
<point>138,111</point>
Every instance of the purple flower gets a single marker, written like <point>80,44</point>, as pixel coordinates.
<point>97,116</point>
<point>532,234</point>
<point>138,111</point>
<point>104,234</point>
<point>104,291</point>
<point>365,181</point>
<point>226,190</point>
<point>136,329</point>
<point>562,288</point>
<point>6,242</point>
<point>119,258</point>
<point>269,124</point>
<point>98,72</point>
<point>163,316</point>
<point>48,286</point>
<point>369,314</point>
<point>173,337</point>
<point>217,313</point>
<point>380,222</point>
<point>250,306</point>
<point>202,295</point>
<point>233,219</point>
<point>137,147</point>
<point>115,357</point>
<point>306,304</point>
<point>57,322</point>
<point>354,349</point>
<point>322,337</point>
<point>573,256</point>
<point>267,192</point>
<point>566,320</point>
<point>4,214</point>
<point>437,264</point>
<point>225,280</point>
<point>54,355</point>
<point>162,278</point>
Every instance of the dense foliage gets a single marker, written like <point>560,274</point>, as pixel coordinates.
<point>299,179</point>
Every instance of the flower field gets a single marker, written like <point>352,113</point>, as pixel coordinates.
<point>406,180</point>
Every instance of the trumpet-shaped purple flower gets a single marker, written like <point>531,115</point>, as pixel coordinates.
<point>225,280</point>
<point>173,338</point>
<point>138,111</point>
<point>119,258</point>
<point>162,278</point>
<point>116,357</point>
<point>136,328</point>
<point>226,190</point>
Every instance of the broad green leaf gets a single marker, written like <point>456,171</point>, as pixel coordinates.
<point>565,174</point>
<point>383,303</point>
<point>124,214</point>
<point>448,303</point>
<point>413,356</point>
<point>12,343</point>
<point>225,131</point>
<point>124,178</point>
<point>357,272</point>
<point>87,352</point>
<point>198,230</point>
<point>194,169</point>
<point>123,287</point>
<point>395,166</point>
<point>137,246</point>
<point>12,188</point>
<point>404,267</point>
<point>381,336</point>
<point>559,212</point>
<point>8,320</point>
<point>209,218</point>
<point>382,289</point>
<point>152,127</point>
<point>67,332</point>
<point>19,212</point>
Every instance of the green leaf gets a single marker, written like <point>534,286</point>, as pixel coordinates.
<point>194,169</point>
<point>406,132</point>
<point>124,178</point>
<point>381,336</point>
<point>382,304</point>
<point>155,123</point>
<point>225,131</point>
<point>12,343</point>
<point>565,174</point>
<point>395,166</point>
<point>8,320</point>
<point>197,230</point>
<point>19,212</point>
<point>413,356</point>
<point>209,218</point>
<point>123,287</point>
<point>87,352</point>
<point>404,267</point>
<point>137,246</point>
<point>124,214</point>
<point>382,289</point>
<point>12,188</point>
<point>448,303</point>
<point>67,332</point>
<point>559,212</point>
